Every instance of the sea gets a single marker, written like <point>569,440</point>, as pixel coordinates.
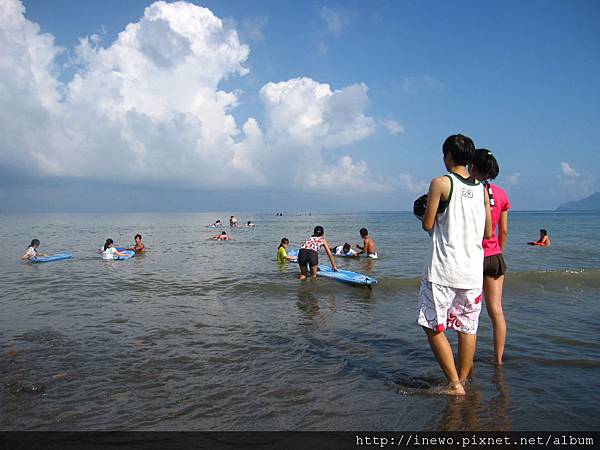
<point>204,335</point>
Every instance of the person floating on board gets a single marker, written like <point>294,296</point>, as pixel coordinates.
<point>485,167</point>
<point>138,247</point>
<point>309,254</point>
<point>32,250</point>
<point>344,250</point>
<point>250,224</point>
<point>543,241</point>
<point>282,255</point>
<point>109,252</point>
<point>220,237</point>
<point>217,224</point>
<point>451,289</point>
<point>368,246</point>
<point>233,222</point>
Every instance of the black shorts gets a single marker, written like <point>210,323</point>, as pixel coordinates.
<point>494,266</point>
<point>307,256</point>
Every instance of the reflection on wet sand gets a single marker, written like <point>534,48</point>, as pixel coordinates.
<point>308,304</point>
<point>472,414</point>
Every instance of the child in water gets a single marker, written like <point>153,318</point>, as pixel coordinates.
<point>344,250</point>
<point>109,252</point>
<point>282,255</point>
<point>32,250</point>
<point>543,241</point>
<point>221,237</point>
<point>138,247</point>
<point>309,254</point>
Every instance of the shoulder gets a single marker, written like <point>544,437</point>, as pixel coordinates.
<point>442,180</point>
<point>500,194</point>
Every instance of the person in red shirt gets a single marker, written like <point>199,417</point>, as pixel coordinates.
<point>485,168</point>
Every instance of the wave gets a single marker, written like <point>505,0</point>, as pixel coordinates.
<point>562,279</point>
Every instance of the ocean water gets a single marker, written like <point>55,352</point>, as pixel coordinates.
<point>205,335</point>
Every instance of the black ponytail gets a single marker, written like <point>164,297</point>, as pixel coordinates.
<point>107,243</point>
<point>486,164</point>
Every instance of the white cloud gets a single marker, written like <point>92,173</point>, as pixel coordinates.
<point>412,85</point>
<point>568,171</point>
<point>394,128</point>
<point>148,107</point>
<point>250,28</point>
<point>336,20</point>
<point>514,178</point>
<point>407,183</point>
<point>344,178</point>
<point>575,184</point>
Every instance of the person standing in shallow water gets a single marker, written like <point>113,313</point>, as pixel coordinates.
<point>451,289</point>
<point>309,254</point>
<point>485,167</point>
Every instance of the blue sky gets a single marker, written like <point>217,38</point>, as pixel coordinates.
<point>390,80</point>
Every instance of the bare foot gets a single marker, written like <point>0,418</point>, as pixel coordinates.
<point>453,388</point>
<point>302,277</point>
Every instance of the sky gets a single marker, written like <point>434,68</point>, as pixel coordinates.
<point>291,105</point>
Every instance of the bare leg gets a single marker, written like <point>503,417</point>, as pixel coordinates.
<point>443,352</point>
<point>493,303</point>
<point>313,271</point>
<point>467,343</point>
<point>303,272</point>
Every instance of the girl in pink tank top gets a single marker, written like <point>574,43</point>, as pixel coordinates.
<point>484,168</point>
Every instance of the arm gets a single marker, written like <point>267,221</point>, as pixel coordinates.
<point>503,229</point>
<point>329,255</point>
<point>118,253</point>
<point>438,191</point>
<point>488,232</point>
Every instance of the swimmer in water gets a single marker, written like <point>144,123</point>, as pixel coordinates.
<point>368,246</point>
<point>138,247</point>
<point>344,250</point>
<point>220,237</point>
<point>32,251</point>
<point>282,255</point>
<point>109,252</point>
<point>543,241</point>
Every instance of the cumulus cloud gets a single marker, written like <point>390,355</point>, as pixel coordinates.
<point>575,183</point>
<point>568,171</point>
<point>408,183</point>
<point>393,127</point>
<point>149,107</point>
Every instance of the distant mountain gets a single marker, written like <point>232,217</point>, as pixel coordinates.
<point>591,203</point>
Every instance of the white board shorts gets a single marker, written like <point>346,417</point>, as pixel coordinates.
<point>442,307</point>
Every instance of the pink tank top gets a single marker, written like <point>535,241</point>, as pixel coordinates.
<point>313,243</point>
<point>492,246</point>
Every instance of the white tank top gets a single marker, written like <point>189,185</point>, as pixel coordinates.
<point>456,254</point>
